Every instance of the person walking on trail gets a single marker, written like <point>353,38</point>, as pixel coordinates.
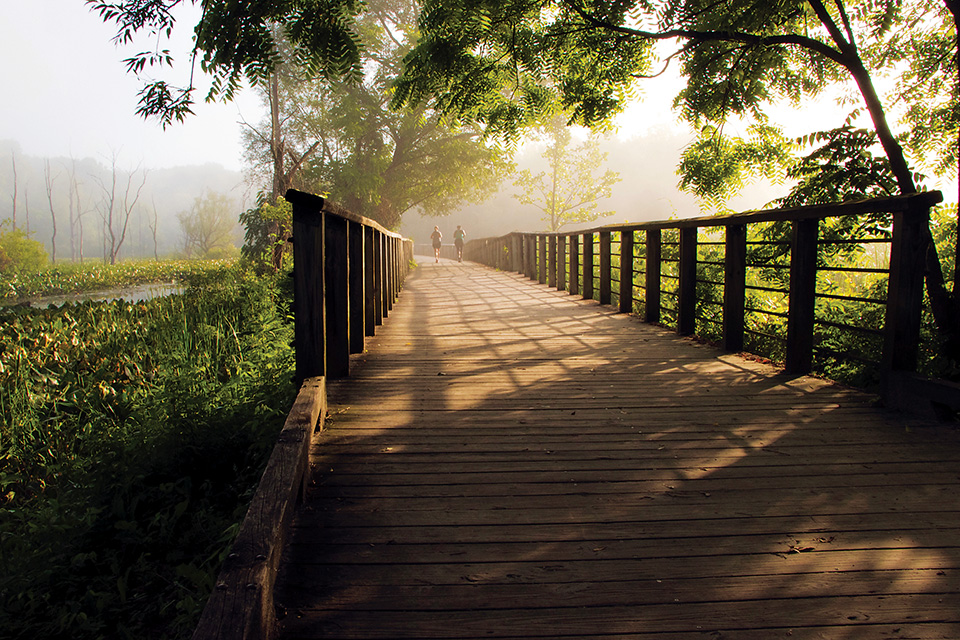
<point>436,237</point>
<point>458,236</point>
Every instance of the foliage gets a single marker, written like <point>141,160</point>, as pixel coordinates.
<point>132,437</point>
<point>266,239</point>
<point>20,253</point>
<point>209,227</point>
<point>568,192</point>
<point>234,41</point>
<point>715,167</point>
<point>511,64</point>
<point>842,169</point>
<point>79,278</point>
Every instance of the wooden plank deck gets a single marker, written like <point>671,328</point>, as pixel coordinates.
<point>509,461</point>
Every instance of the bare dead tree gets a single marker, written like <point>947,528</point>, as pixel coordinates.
<point>116,208</point>
<point>153,230</point>
<point>49,180</point>
<point>13,160</point>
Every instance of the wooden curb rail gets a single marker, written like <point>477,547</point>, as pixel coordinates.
<point>348,271</point>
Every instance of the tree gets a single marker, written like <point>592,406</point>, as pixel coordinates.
<point>49,182</point>
<point>568,192</point>
<point>342,138</point>
<point>20,252</point>
<point>209,227</point>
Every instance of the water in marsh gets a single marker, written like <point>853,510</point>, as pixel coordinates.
<point>130,294</point>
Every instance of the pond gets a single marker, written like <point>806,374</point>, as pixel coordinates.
<point>136,293</point>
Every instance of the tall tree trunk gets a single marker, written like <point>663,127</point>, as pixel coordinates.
<point>49,180</point>
<point>13,161</point>
<point>943,305</point>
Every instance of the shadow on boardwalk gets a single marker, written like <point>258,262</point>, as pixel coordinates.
<point>512,462</point>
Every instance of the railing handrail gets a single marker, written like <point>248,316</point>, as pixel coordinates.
<point>543,256</point>
<point>807,212</point>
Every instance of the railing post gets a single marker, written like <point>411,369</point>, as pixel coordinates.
<point>651,301</point>
<point>391,275</point>
<point>905,291</point>
<point>308,289</point>
<point>541,258</point>
<point>574,264</point>
<point>606,276</point>
<point>734,286</point>
<point>369,282</point>
<point>389,266</point>
<point>552,261</point>
<point>530,253</point>
<point>588,265</point>
<point>337,296</point>
<point>355,233</point>
<point>516,253</point>
<point>379,310</point>
<point>561,262</point>
<point>626,271</point>
<point>687,289</point>
<point>383,267</point>
<point>803,289</point>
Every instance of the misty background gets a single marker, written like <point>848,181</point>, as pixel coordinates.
<point>647,191</point>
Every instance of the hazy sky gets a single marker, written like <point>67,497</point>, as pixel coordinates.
<point>66,93</point>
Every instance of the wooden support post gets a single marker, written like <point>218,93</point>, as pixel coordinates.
<point>391,271</point>
<point>606,276</point>
<point>803,288</point>
<point>734,286</point>
<point>387,274</point>
<point>516,253</point>
<point>355,233</point>
<point>626,271</point>
<point>337,296</point>
<point>687,289</point>
<point>369,282</point>
<point>561,262</point>
<point>552,260</point>
<point>380,311</point>
<point>308,289</point>
<point>905,291</point>
<point>588,265</point>
<point>651,301</point>
<point>574,264</point>
<point>541,258</point>
<point>530,253</point>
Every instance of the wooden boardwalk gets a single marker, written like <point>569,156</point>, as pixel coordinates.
<point>509,461</point>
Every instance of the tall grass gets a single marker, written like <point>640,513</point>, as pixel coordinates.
<point>132,437</point>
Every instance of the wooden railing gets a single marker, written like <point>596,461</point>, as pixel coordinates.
<point>348,271</point>
<point>666,272</point>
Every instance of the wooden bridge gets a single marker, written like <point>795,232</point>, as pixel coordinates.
<point>507,460</point>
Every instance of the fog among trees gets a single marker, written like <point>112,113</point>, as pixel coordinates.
<point>80,192</point>
<point>648,191</point>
